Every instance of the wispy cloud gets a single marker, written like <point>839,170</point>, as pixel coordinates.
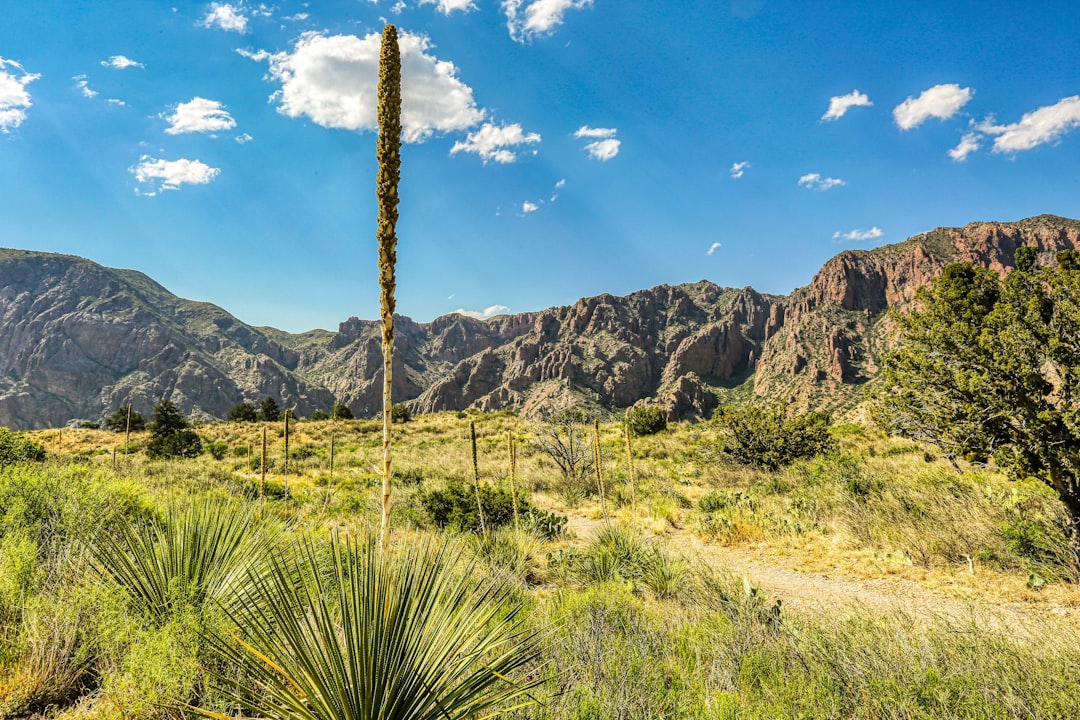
<point>14,99</point>
<point>84,86</point>
<point>332,80</point>
<point>969,143</point>
<point>604,145</point>
<point>120,62</point>
<point>814,181</point>
<point>840,104</point>
<point>526,20</point>
<point>243,138</point>
<point>859,234</point>
<point>161,175</point>
<point>198,115</point>
<point>448,6</point>
<point>484,314</point>
<point>713,248</point>
<point>495,143</point>
<point>738,169</point>
<point>529,207</point>
<point>940,101</point>
<point>226,17</point>
<point>1035,128</point>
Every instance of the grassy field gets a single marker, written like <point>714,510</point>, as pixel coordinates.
<point>640,610</point>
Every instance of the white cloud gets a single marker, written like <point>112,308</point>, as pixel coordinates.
<point>738,169</point>
<point>940,101</point>
<point>539,17</point>
<point>120,62</point>
<point>226,17</point>
<point>83,85</point>
<point>114,101</point>
<point>1036,127</point>
<point>969,143</point>
<point>198,115</point>
<point>859,234</point>
<point>561,184</point>
<point>492,142</point>
<point>713,248</point>
<point>528,207</point>
<point>298,17</point>
<point>484,314</point>
<point>840,104</point>
<point>14,99</point>
<point>332,81</point>
<point>163,175</point>
<point>590,132</point>
<point>814,181</point>
<point>448,6</point>
<point>244,138</point>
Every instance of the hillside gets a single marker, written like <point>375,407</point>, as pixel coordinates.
<point>78,339</point>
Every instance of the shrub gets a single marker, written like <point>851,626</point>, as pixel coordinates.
<point>767,438</point>
<point>341,411</point>
<point>646,420</point>
<point>319,415</point>
<point>118,419</point>
<point>217,450</point>
<point>14,448</point>
<point>171,435</point>
<point>399,413</point>
<point>455,506</point>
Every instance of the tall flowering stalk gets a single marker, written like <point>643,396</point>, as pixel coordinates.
<point>388,151</point>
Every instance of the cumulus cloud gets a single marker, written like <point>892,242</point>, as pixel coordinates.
<point>1035,128</point>
<point>14,99</point>
<point>529,207</point>
<point>120,62</point>
<point>492,142</point>
<point>859,234</point>
<point>940,101</point>
<point>225,16</point>
<point>738,169</point>
<point>814,181</point>
<point>84,86</point>
<point>713,248</point>
<point>332,80</point>
<point>448,6</point>
<point>604,145</point>
<point>969,143</point>
<point>529,19</point>
<point>484,314</point>
<point>198,115</point>
<point>840,104</point>
<point>161,175</point>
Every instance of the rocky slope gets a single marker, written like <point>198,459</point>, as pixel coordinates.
<point>77,340</point>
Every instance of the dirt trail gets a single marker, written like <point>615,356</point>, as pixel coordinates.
<point>817,592</point>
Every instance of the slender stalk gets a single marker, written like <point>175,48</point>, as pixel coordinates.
<point>262,480</point>
<point>512,450</point>
<point>388,152</point>
<point>127,431</point>
<point>476,479</point>
<point>630,467</point>
<point>285,472</point>
<point>599,467</point>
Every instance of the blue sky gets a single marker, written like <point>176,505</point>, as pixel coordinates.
<point>557,148</point>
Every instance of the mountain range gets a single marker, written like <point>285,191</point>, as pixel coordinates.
<point>78,340</point>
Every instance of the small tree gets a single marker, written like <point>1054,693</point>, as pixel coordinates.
<point>646,420</point>
<point>341,411</point>
<point>117,420</point>
<point>319,415</point>
<point>269,410</point>
<point>400,413</point>
<point>14,448</point>
<point>170,433</point>
<point>244,412</point>
<point>768,438</point>
<point>564,437</point>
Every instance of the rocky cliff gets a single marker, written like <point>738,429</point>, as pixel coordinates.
<point>78,339</point>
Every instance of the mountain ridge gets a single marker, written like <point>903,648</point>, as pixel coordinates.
<point>82,339</point>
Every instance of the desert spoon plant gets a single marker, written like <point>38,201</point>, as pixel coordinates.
<point>388,151</point>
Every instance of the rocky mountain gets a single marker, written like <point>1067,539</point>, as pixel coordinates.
<point>78,339</point>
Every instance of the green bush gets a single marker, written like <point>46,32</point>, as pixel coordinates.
<point>767,438</point>
<point>455,506</point>
<point>14,448</point>
<point>646,420</point>
<point>217,450</point>
<point>120,420</point>
<point>399,413</point>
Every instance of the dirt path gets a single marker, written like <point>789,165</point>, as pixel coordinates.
<point>817,592</point>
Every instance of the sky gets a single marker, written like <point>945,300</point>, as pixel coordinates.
<point>553,149</point>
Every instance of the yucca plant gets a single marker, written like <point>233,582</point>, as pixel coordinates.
<point>393,633</point>
<point>198,555</point>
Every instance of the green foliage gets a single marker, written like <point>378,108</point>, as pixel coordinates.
<point>341,411</point>
<point>319,415</point>
<point>454,506</point>
<point>989,368</point>
<point>117,420</point>
<point>171,435</point>
<point>269,411</point>
<point>14,448</point>
<point>244,412</point>
<point>768,438</point>
<point>379,632</point>
<point>646,420</point>
<point>217,450</point>
<point>400,413</point>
